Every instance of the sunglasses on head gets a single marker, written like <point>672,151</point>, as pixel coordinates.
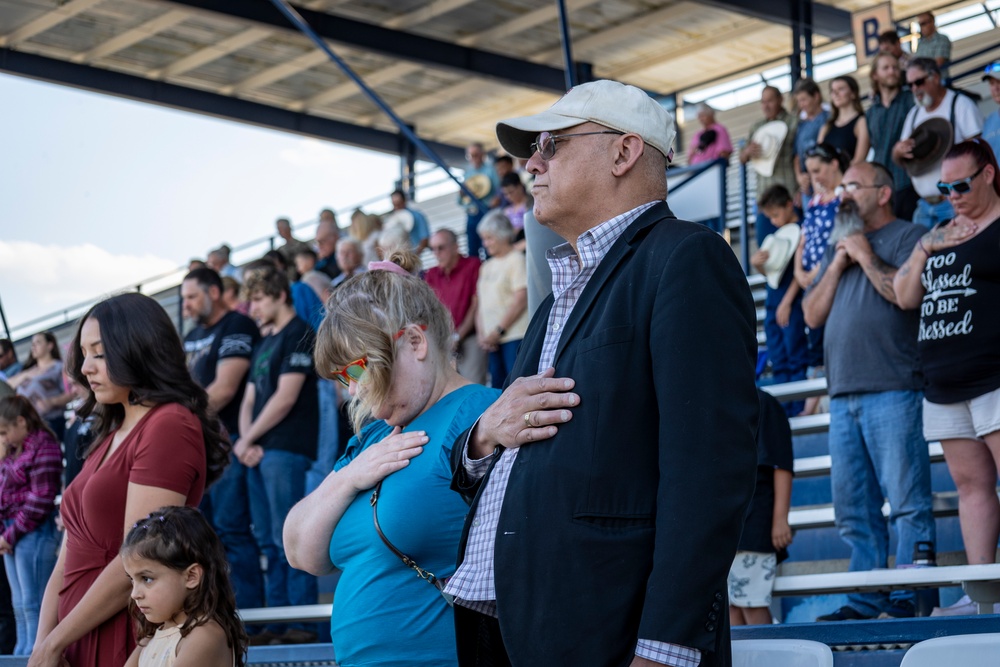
<point>357,368</point>
<point>961,186</point>
<point>821,151</point>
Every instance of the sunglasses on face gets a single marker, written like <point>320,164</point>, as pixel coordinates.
<point>961,186</point>
<point>916,83</point>
<point>357,368</point>
<point>545,143</point>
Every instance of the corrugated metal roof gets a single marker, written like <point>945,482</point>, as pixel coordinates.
<point>661,45</point>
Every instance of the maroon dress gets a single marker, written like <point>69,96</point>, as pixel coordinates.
<point>165,449</point>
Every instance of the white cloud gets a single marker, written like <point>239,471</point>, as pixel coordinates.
<point>37,279</point>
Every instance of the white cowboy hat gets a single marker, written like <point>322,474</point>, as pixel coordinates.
<point>401,218</point>
<point>780,247</point>
<point>769,137</point>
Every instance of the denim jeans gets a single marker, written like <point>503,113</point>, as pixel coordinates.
<point>28,570</point>
<point>328,447</point>
<point>502,361</point>
<point>472,236</point>
<point>787,349</point>
<point>277,483</point>
<point>231,518</point>
<point>930,215</point>
<point>878,451</point>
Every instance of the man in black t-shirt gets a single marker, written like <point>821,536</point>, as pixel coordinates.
<point>218,355</point>
<point>279,429</point>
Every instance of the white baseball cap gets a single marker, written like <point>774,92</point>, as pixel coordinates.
<point>614,105</point>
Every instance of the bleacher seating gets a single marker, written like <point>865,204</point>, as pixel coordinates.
<point>781,653</point>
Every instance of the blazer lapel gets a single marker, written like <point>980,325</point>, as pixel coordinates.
<point>615,256</point>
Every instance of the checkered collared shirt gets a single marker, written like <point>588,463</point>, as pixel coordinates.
<point>473,585</point>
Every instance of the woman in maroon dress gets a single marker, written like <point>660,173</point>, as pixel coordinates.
<point>155,445</point>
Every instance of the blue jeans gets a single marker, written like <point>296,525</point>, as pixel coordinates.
<point>787,348</point>
<point>471,235</point>
<point>502,361</point>
<point>878,451</point>
<point>930,215</point>
<point>28,570</point>
<point>328,448</point>
<point>277,483</point>
<point>231,518</point>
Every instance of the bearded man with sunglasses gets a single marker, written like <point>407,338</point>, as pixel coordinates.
<point>875,386</point>
<point>933,100</point>
<point>609,481</point>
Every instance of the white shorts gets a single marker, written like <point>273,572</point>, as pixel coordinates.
<point>751,579</point>
<point>970,419</point>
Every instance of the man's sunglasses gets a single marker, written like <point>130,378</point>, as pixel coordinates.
<point>545,143</point>
<point>961,186</point>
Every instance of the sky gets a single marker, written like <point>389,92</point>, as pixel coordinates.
<point>97,192</point>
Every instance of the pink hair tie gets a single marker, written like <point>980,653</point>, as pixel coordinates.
<point>384,265</point>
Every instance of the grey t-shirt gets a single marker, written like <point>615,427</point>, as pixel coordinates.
<point>870,344</point>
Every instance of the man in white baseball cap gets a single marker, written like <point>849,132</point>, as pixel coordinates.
<point>610,479</point>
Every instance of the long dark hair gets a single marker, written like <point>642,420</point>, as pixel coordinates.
<point>852,83</point>
<point>981,153</point>
<point>50,338</point>
<point>179,537</point>
<point>144,353</point>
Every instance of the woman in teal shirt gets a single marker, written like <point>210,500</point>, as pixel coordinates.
<point>388,339</point>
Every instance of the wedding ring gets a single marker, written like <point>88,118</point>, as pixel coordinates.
<point>527,419</point>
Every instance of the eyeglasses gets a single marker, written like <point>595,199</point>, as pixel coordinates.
<point>545,144</point>
<point>357,368</point>
<point>961,186</point>
<point>916,83</point>
<point>854,187</point>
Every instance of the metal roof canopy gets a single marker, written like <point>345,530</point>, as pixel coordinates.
<point>437,64</point>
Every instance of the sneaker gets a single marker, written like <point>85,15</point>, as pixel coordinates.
<point>902,609</point>
<point>845,613</point>
<point>964,607</point>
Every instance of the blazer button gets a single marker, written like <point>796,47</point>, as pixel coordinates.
<point>713,617</point>
<point>715,606</point>
<point>710,627</point>
<point>718,596</point>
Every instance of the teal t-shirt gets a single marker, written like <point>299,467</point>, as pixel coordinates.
<point>383,614</point>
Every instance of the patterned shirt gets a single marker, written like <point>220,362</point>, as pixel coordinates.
<point>885,125</point>
<point>474,585</point>
<point>816,229</point>
<point>29,483</point>
<point>935,46</point>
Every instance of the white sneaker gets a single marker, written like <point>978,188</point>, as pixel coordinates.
<point>964,607</point>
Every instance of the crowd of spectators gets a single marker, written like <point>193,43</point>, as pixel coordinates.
<point>856,252</point>
<point>865,213</point>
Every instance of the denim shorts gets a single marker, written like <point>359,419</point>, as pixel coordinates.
<point>969,420</point>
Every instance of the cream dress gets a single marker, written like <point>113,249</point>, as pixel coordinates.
<point>161,651</point>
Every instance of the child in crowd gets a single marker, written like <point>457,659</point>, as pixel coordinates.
<point>784,324</point>
<point>766,533</point>
<point>30,479</point>
<point>182,600</point>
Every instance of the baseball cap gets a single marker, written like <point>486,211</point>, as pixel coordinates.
<point>992,71</point>
<point>614,105</point>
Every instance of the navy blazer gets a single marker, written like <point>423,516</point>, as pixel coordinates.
<point>625,524</point>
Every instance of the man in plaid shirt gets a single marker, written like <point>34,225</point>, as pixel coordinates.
<point>609,481</point>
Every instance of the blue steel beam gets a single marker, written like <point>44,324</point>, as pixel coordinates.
<point>212,104</point>
<point>827,20</point>
<point>394,43</point>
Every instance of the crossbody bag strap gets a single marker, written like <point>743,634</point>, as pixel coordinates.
<point>427,576</point>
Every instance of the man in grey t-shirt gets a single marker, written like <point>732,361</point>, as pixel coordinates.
<point>876,440</point>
